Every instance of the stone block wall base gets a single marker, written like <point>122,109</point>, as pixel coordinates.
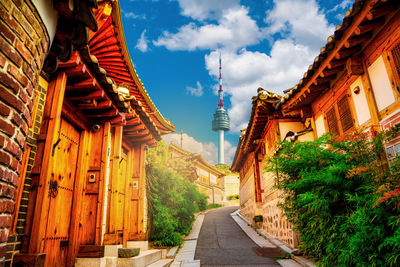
<point>29,260</point>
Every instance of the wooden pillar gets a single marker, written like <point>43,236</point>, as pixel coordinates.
<point>103,185</point>
<point>116,157</point>
<point>128,196</point>
<point>53,111</point>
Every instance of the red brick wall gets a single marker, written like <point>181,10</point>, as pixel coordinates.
<point>23,47</point>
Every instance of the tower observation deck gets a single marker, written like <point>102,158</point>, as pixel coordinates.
<point>220,122</point>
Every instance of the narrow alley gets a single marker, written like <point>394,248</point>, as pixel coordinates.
<point>222,242</point>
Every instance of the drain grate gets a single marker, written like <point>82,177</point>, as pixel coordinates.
<point>269,252</point>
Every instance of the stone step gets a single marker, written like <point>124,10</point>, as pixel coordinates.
<point>145,258</point>
<point>90,262</point>
<point>161,263</point>
<point>143,245</point>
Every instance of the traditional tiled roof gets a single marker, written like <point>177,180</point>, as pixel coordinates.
<point>109,46</point>
<point>263,110</point>
<point>341,52</point>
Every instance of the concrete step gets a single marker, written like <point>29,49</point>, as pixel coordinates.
<point>145,258</point>
<point>90,262</point>
<point>143,245</point>
<point>111,250</point>
<point>161,263</point>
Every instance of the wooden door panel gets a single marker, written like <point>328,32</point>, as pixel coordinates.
<point>65,153</point>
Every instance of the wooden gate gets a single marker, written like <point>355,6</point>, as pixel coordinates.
<point>61,191</point>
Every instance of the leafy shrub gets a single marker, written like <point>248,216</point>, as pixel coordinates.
<point>213,206</point>
<point>342,198</point>
<point>172,200</point>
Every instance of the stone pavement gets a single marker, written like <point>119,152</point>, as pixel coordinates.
<point>221,238</point>
<point>222,242</point>
<point>185,255</point>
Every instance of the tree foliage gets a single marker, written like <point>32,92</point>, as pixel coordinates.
<point>343,199</point>
<point>172,199</point>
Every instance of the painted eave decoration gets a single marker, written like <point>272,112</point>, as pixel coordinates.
<point>341,54</point>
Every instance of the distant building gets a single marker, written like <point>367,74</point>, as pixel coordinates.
<point>205,176</point>
<point>232,183</point>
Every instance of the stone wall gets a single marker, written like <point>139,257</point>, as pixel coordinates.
<point>23,46</point>
<point>275,223</point>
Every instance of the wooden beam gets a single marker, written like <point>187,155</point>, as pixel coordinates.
<point>110,113</point>
<point>74,61</point>
<point>344,53</point>
<point>385,9</point>
<point>102,105</point>
<point>76,71</point>
<point>99,94</point>
<point>323,80</point>
<point>336,63</point>
<point>88,84</point>
<point>354,66</point>
<point>369,26</point>
<point>329,72</point>
<point>358,39</point>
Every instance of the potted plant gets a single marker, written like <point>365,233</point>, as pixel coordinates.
<point>258,220</point>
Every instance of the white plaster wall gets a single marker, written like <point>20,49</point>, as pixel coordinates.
<point>360,102</point>
<point>285,127</point>
<point>48,15</point>
<point>319,124</point>
<point>380,82</point>
<point>247,196</point>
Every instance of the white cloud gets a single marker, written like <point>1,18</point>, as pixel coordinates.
<point>132,15</point>
<point>198,91</point>
<point>300,20</point>
<point>142,43</point>
<point>297,30</point>
<point>208,151</point>
<point>205,9</point>
<point>342,5</point>
<point>235,29</point>
<point>245,71</point>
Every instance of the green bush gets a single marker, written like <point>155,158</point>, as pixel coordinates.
<point>343,199</point>
<point>172,200</point>
<point>213,206</point>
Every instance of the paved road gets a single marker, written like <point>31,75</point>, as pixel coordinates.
<point>223,243</point>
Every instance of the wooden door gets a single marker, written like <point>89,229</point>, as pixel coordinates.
<point>61,191</point>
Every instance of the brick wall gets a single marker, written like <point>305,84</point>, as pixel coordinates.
<point>23,46</point>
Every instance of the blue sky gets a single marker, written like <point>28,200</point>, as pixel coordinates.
<point>174,45</point>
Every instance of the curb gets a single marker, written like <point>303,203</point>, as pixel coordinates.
<point>301,260</point>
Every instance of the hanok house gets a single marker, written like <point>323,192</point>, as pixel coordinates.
<point>74,138</point>
<point>208,178</point>
<point>267,126</point>
<point>352,85</point>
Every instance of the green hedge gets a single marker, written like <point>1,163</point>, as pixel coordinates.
<point>172,200</point>
<point>343,199</point>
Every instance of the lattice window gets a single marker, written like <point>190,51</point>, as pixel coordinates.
<point>332,121</point>
<point>346,119</point>
<point>396,58</point>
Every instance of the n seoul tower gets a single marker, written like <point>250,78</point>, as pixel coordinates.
<point>220,122</point>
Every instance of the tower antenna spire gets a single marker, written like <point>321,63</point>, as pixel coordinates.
<point>220,123</point>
